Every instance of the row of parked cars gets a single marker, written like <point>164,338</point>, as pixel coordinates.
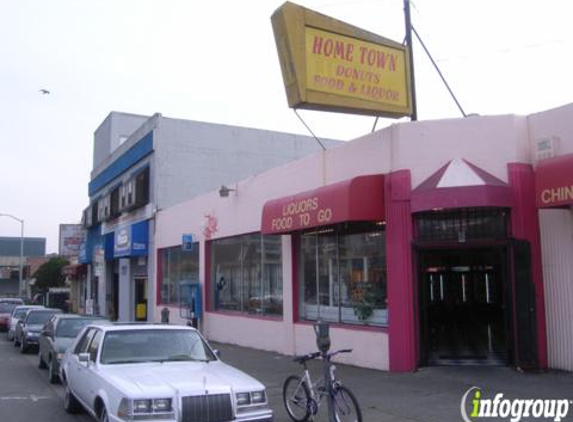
<point>136,371</point>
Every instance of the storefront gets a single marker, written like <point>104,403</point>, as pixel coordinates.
<point>415,256</point>
<point>127,286</point>
<point>554,197</point>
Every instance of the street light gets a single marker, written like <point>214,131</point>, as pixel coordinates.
<point>21,247</point>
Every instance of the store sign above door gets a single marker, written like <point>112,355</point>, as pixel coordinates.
<point>330,65</point>
<point>357,199</point>
<point>554,182</point>
<point>131,240</point>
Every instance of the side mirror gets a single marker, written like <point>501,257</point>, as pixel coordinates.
<point>84,357</point>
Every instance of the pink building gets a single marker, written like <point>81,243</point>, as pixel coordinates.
<point>419,243</point>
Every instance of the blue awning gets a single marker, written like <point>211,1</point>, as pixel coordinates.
<point>131,240</point>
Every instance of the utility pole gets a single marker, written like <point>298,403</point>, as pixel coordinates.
<point>408,24</point>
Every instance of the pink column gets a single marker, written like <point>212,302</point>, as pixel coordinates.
<point>401,290</point>
<point>525,225</point>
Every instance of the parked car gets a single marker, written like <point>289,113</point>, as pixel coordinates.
<point>29,327</point>
<point>156,372</point>
<point>56,336</point>
<point>17,314</point>
<point>7,305</point>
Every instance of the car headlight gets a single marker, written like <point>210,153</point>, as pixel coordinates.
<point>140,409</point>
<point>142,406</point>
<point>251,397</point>
<point>258,397</point>
<point>243,399</point>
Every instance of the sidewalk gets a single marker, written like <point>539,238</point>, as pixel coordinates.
<point>430,395</point>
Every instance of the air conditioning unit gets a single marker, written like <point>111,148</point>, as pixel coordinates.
<point>104,208</point>
<point>127,195</point>
<point>87,218</point>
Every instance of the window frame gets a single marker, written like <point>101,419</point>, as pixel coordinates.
<point>342,311</point>
<point>243,284</point>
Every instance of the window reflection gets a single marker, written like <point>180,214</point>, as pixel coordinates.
<point>344,275</point>
<point>246,274</point>
<point>179,267</point>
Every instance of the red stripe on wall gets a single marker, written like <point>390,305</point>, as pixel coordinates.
<point>402,309</point>
<point>525,225</point>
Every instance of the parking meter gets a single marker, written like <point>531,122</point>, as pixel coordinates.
<point>165,315</point>
<point>321,330</point>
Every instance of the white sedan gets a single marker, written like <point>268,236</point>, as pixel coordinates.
<point>152,372</point>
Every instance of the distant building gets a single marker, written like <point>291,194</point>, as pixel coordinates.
<point>144,164</point>
<point>34,249</point>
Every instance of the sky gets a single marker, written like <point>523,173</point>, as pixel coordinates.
<point>216,61</point>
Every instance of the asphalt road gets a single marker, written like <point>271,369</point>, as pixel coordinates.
<point>25,393</point>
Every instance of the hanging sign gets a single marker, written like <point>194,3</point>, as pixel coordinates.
<point>330,65</point>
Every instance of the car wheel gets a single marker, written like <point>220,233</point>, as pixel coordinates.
<point>52,374</point>
<point>41,363</point>
<point>103,415</point>
<point>71,404</point>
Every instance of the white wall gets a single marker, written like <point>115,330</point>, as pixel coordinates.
<point>557,250</point>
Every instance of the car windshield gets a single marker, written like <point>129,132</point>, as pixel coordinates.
<point>36,318</point>
<point>8,307</point>
<point>70,327</point>
<point>19,313</point>
<point>135,346</point>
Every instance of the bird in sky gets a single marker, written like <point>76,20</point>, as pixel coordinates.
<point>44,91</point>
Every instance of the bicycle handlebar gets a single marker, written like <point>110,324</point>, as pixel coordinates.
<point>309,356</point>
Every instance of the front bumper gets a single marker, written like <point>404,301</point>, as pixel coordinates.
<point>32,339</point>
<point>261,415</point>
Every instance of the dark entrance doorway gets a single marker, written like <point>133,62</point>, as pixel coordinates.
<point>464,306</point>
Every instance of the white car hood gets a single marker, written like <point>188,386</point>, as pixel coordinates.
<point>155,379</point>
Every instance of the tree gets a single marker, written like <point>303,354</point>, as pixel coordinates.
<point>49,274</point>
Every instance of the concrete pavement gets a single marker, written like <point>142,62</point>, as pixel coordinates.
<point>431,394</point>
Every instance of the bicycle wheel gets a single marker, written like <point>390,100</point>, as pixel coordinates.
<point>296,398</point>
<point>346,408</point>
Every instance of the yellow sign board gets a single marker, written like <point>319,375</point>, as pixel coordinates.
<point>333,66</point>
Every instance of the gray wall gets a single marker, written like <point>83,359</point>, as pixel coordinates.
<point>108,135</point>
<point>192,158</point>
<point>33,246</point>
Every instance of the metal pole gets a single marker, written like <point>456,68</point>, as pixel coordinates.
<point>21,257</point>
<point>408,24</point>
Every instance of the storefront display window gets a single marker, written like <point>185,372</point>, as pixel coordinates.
<point>246,274</point>
<point>343,275</point>
<point>179,267</point>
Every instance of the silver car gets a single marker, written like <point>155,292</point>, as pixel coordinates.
<point>29,327</point>
<point>17,314</point>
<point>156,372</point>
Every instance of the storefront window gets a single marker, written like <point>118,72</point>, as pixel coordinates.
<point>246,274</point>
<point>179,269</point>
<point>343,275</point>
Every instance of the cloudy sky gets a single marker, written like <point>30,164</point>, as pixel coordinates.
<point>216,61</point>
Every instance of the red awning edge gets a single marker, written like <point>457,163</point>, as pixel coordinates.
<point>358,199</point>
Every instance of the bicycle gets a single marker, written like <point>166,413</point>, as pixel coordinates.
<point>302,398</point>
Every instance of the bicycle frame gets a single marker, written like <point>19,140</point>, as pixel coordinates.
<point>318,388</point>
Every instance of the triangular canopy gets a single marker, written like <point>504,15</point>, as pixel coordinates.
<point>461,184</point>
